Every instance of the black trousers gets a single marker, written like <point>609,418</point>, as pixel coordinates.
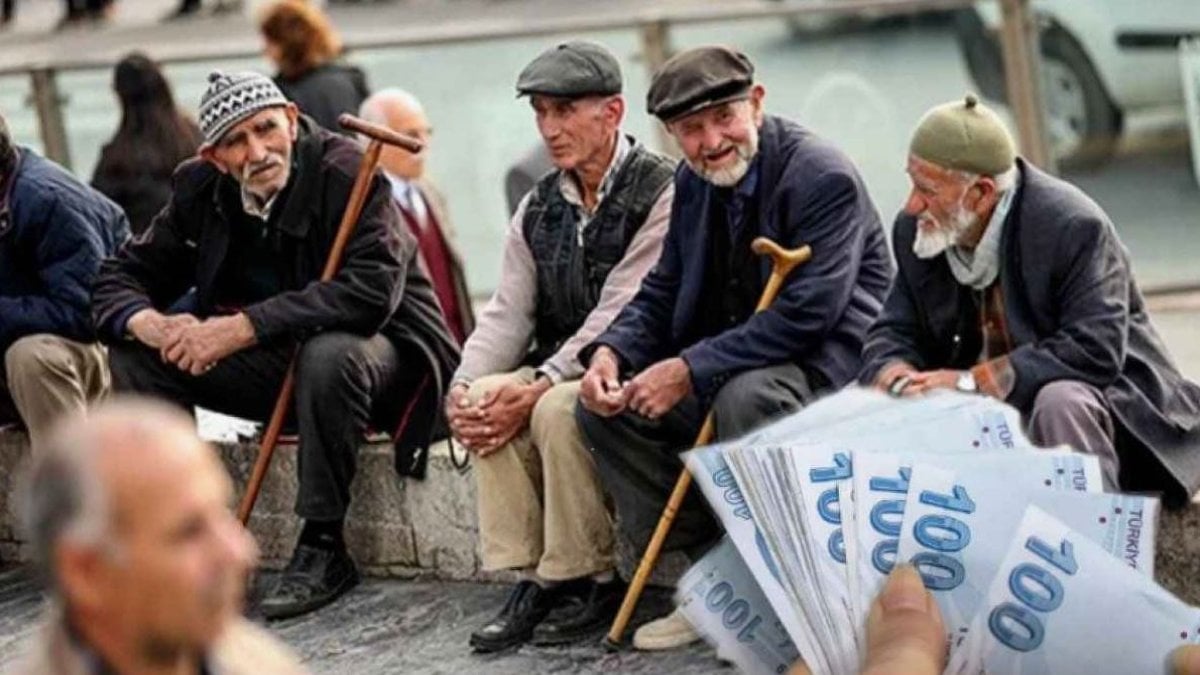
<point>340,378</point>
<point>638,459</point>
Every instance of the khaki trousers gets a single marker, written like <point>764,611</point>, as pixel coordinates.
<point>540,500</point>
<point>48,376</point>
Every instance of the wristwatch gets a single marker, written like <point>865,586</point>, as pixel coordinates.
<point>966,383</point>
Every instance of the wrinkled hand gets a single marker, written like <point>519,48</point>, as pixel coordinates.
<point>659,388</point>
<point>905,633</point>
<point>152,328</point>
<point>197,348</point>
<point>491,424</point>
<point>601,391</point>
<point>925,382</point>
<point>895,377</point>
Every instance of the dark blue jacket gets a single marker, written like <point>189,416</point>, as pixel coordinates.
<point>54,231</point>
<point>808,193</point>
<point>1073,311</point>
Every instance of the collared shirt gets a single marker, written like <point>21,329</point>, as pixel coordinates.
<point>568,183</point>
<point>254,206</point>
<point>410,199</point>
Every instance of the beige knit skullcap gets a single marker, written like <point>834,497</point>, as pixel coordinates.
<point>966,136</point>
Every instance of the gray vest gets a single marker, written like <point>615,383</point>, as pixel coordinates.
<point>570,276</point>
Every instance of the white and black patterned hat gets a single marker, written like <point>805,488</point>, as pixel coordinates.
<point>232,97</point>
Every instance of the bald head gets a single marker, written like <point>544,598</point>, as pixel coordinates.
<point>399,111</point>
<point>128,512</point>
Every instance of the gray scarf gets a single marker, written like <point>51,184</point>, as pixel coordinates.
<point>980,267</point>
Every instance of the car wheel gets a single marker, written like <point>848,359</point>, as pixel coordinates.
<point>1083,124</point>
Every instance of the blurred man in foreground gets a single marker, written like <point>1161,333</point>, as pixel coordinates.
<point>128,516</point>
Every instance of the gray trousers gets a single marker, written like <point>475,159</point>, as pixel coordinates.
<point>338,378</point>
<point>638,458</point>
<point>1068,412</point>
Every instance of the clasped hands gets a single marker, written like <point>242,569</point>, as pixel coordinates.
<point>901,379</point>
<point>485,426</point>
<point>194,346</point>
<point>651,394</point>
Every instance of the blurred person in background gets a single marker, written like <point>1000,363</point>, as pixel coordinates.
<point>79,12</point>
<point>54,232</point>
<point>306,50</point>
<point>127,513</point>
<point>422,205</point>
<point>155,136</point>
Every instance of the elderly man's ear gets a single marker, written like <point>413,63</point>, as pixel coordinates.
<point>78,570</point>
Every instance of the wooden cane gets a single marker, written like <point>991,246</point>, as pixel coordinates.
<point>358,196</point>
<point>782,263</point>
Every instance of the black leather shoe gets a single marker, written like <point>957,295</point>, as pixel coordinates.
<point>580,615</point>
<point>313,578</point>
<point>525,608</point>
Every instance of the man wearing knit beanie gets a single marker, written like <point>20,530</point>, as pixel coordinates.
<point>243,241</point>
<point>1014,284</point>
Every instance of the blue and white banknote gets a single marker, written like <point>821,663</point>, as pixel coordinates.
<point>1060,604</point>
<point>720,598</point>
<point>959,523</point>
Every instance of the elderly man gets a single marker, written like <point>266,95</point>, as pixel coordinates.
<point>422,206</point>
<point>1014,284</point>
<point>54,231</point>
<point>690,337</point>
<point>128,518</point>
<point>575,252</point>
<point>249,227</point>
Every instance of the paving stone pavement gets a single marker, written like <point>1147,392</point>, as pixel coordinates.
<point>417,628</point>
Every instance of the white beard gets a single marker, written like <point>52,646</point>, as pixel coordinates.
<point>730,176</point>
<point>934,241</point>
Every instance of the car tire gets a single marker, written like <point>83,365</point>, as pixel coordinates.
<point>1083,123</point>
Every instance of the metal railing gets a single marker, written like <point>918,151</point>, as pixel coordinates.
<point>1018,42</point>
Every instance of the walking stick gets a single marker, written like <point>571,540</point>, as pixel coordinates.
<point>782,263</point>
<point>358,196</point>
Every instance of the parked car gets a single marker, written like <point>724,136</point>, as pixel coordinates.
<point>1102,60</point>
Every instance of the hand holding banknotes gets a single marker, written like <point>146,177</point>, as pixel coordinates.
<point>904,629</point>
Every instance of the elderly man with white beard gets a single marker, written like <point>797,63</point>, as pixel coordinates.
<point>690,339</point>
<point>1014,284</point>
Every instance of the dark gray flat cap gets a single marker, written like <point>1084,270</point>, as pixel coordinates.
<point>572,69</point>
<point>699,78</point>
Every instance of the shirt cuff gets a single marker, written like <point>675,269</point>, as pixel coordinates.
<point>551,372</point>
<point>995,377</point>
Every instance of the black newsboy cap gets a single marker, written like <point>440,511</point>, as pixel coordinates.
<point>699,78</point>
<point>572,69</point>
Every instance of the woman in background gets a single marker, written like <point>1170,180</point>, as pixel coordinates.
<point>302,44</point>
<point>154,137</point>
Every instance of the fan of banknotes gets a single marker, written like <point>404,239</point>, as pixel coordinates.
<point>1034,567</point>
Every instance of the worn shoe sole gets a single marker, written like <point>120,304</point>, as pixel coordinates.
<point>288,611</point>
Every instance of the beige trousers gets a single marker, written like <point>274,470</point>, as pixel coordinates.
<point>48,376</point>
<point>540,500</point>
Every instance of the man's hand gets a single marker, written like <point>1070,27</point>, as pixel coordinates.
<point>601,391</point>
<point>197,348</point>
<point>905,633</point>
<point>895,377</point>
<point>659,388</point>
<point>503,413</point>
<point>925,382</point>
<point>152,328</point>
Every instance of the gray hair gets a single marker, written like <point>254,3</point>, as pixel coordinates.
<point>62,497</point>
<point>374,109</point>
<point>1004,181</point>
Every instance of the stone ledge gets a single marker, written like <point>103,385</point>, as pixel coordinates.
<point>396,527</point>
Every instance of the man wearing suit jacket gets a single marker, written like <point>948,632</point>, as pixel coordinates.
<point>1014,284</point>
<point>690,339</point>
<point>422,206</point>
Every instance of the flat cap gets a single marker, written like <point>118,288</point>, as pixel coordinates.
<point>965,136</point>
<point>572,69</point>
<point>699,78</point>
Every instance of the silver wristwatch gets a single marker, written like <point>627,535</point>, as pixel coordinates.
<point>966,383</point>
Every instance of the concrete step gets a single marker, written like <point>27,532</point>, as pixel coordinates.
<point>405,528</point>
